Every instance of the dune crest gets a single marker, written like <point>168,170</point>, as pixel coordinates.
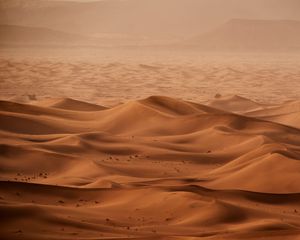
<point>71,104</point>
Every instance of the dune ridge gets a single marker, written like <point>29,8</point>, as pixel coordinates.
<point>156,168</point>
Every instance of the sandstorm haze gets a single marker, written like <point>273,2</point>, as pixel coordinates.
<point>199,47</point>
<point>192,47</point>
<point>142,20</point>
<point>150,119</point>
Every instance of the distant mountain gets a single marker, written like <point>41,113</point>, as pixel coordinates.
<point>141,18</point>
<point>244,35</point>
<point>31,4</point>
<point>12,35</point>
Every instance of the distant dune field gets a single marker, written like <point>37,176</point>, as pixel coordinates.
<point>115,75</point>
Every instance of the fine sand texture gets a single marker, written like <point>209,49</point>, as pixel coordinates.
<point>153,168</point>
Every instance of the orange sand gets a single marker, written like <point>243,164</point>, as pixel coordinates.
<point>157,168</point>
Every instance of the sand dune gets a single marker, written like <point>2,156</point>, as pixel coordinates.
<point>288,113</point>
<point>119,119</point>
<point>71,104</point>
<point>156,168</point>
<point>235,104</point>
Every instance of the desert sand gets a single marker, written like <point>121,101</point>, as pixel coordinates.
<point>150,119</point>
<point>154,168</point>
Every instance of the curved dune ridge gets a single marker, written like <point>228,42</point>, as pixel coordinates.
<point>156,168</point>
<point>71,104</point>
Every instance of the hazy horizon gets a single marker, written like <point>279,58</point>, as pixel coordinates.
<point>156,18</point>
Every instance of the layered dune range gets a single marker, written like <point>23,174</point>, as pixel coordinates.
<point>157,168</point>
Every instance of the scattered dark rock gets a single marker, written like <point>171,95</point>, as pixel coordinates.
<point>32,97</point>
<point>218,95</point>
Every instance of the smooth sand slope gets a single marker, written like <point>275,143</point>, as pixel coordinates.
<point>157,168</point>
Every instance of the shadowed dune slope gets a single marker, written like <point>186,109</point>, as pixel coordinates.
<point>157,168</point>
<point>287,113</point>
